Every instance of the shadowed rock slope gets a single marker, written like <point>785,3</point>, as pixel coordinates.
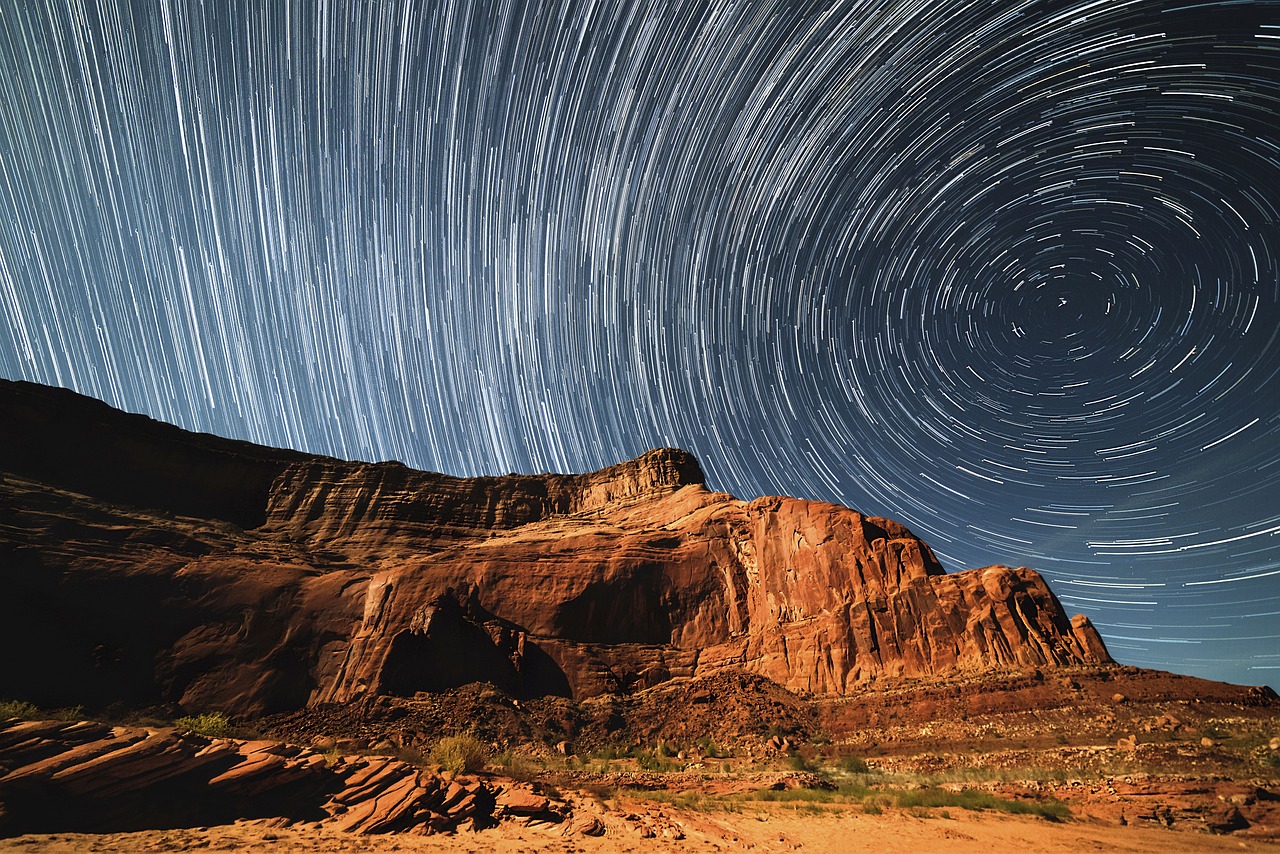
<point>145,564</point>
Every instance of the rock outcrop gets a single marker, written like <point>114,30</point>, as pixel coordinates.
<point>145,564</point>
<point>58,776</point>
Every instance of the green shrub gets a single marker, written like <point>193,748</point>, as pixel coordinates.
<point>211,724</point>
<point>460,754</point>
<point>653,760</point>
<point>710,749</point>
<point>853,765</point>
<point>798,762</point>
<point>20,709</point>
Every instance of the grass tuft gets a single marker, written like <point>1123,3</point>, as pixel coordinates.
<point>460,754</point>
<point>20,709</point>
<point>211,724</point>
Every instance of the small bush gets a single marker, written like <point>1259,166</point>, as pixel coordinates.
<point>655,761</point>
<point>410,755</point>
<point>460,754</point>
<point>20,709</point>
<point>853,765</point>
<point>710,749</point>
<point>798,762</point>
<point>211,724</point>
<point>871,806</point>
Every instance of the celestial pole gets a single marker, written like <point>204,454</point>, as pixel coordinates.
<point>1006,272</point>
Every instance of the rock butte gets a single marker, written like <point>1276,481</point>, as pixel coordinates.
<point>146,564</point>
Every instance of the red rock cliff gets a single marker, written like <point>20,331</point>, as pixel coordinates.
<point>148,564</point>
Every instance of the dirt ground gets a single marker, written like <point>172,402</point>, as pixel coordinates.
<point>769,828</point>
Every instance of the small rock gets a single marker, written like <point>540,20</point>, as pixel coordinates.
<point>1226,820</point>
<point>1275,743</point>
<point>522,801</point>
<point>589,826</point>
<point>1208,742</point>
<point>1118,698</point>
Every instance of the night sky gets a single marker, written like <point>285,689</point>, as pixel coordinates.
<point>1006,272</point>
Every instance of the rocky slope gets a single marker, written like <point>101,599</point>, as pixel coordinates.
<point>143,564</point>
<point>86,776</point>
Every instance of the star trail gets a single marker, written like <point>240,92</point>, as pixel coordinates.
<point>1008,272</point>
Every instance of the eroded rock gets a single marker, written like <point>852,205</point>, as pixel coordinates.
<point>146,564</point>
<point>72,777</point>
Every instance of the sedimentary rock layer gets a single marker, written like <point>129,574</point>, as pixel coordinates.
<point>146,564</point>
<point>59,776</point>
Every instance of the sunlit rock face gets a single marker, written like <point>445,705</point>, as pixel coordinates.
<point>145,564</point>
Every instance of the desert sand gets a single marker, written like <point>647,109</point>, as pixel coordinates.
<point>769,828</point>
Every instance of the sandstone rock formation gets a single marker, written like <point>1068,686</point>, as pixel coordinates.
<point>145,564</point>
<point>61,776</point>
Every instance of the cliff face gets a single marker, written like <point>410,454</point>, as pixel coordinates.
<point>147,564</point>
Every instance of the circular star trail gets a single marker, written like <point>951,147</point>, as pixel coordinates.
<point>1007,272</point>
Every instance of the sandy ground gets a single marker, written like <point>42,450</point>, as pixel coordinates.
<point>766,829</point>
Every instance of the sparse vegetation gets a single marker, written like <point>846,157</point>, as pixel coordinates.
<point>847,793</point>
<point>210,724</point>
<point>24,711</point>
<point>460,754</point>
<point>654,760</point>
<point>710,749</point>
<point>515,767</point>
<point>20,709</point>
<point>799,762</point>
<point>853,765</point>
<point>974,799</point>
<point>918,802</point>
